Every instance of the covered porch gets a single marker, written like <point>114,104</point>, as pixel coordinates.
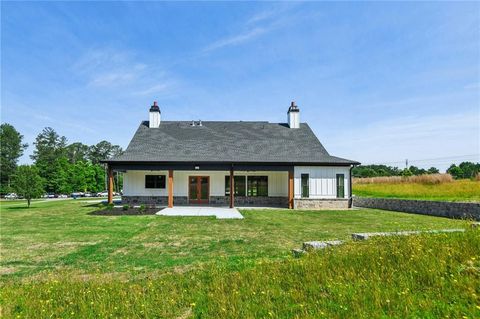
<point>205,184</point>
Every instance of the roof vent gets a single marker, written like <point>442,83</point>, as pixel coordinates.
<point>193,123</point>
<point>200,123</point>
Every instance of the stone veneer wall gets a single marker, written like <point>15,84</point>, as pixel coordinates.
<point>153,200</point>
<point>424,207</point>
<point>312,203</point>
<point>278,201</point>
<point>262,201</point>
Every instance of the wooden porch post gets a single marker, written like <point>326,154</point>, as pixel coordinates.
<point>110,184</point>
<point>290,188</point>
<point>232,188</point>
<point>170,188</point>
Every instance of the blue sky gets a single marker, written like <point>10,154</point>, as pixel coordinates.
<point>377,82</point>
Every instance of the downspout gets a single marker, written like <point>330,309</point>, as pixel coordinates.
<point>350,200</point>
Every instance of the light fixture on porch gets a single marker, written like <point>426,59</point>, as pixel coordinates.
<point>197,167</point>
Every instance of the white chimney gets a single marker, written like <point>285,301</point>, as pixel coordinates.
<point>293,116</point>
<point>154,116</point>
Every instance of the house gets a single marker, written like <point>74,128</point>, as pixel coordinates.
<point>231,163</point>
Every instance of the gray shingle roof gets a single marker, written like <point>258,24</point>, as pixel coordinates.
<point>252,142</point>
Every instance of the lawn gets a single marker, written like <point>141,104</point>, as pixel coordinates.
<point>458,190</point>
<point>62,235</point>
<point>59,261</point>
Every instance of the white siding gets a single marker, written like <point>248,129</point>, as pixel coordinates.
<point>322,182</point>
<point>134,182</point>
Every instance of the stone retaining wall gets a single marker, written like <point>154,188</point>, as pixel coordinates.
<point>424,207</point>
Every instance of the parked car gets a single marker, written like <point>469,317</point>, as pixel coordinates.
<point>76,194</point>
<point>102,194</point>
<point>87,195</point>
<point>11,196</point>
<point>62,196</point>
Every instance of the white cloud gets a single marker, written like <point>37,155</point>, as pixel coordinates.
<point>236,39</point>
<point>473,86</point>
<point>119,70</point>
<point>415,138</point>
<point>257,25</point>
<point>157,88</point>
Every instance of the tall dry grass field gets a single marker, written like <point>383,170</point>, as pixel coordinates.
<point>419,179</point>
<point>424,187</point>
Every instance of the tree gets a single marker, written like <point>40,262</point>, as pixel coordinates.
<point>406,172</point>
<point>11,149</point>
<point>433,170</point>
<point>103,150</point>
<point>455,171</point>
<point>77,152</point>
<point>417,171</point>
<point>470,170</point>
<point>50,150</point>
<point>28,183</point>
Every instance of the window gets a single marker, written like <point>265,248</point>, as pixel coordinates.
<point>340,186</point>
<point>305,186</point>
<point>239,185</point>
<point>257,186</point>
<point>154,181</point>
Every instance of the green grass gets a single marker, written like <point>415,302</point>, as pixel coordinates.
<point>459,190</point>
<point>430,276</point>
<point>59,261</point>
<point>62,235</point>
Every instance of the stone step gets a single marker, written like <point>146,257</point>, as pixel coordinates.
<point>365,236</point>
<point>298,252</point>
<point>315,245</point>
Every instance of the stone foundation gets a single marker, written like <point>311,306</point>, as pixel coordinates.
<point>153,200</point>
<point>241,201</point>
<point>214,200</point>
<point>263,201</point>
<point>311,203</point>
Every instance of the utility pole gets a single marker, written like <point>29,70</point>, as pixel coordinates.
<point>406,163</point>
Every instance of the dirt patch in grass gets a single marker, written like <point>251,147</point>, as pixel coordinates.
<point>119,211</point>
<point>7,270</point>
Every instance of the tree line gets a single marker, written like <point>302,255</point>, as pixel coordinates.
<point>463,170</point>
<point>58,167</point>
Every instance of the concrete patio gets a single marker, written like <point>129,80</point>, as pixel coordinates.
<point>218,212</point>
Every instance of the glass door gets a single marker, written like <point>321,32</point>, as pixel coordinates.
<point>340,186</point>
<point>198,189</point>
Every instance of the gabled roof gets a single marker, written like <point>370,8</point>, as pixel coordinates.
<point>233,142</point>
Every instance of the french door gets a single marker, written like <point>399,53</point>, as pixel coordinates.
<point>198,189</point>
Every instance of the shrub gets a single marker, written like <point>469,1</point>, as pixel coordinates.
<point>141,208</point>
<point>125,207</point>
<point>110,206</point>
